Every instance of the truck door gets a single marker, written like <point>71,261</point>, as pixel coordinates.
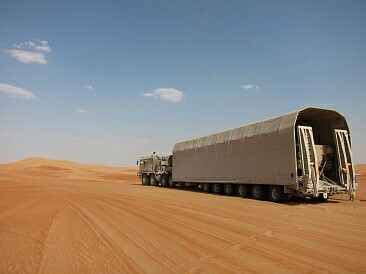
<point>310,170</point>
<point>345,161</point>
<point>149,165</point>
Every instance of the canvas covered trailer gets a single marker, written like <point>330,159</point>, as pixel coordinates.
<point>279,151</point>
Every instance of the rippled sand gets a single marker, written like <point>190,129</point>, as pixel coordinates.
<point>59,216</point>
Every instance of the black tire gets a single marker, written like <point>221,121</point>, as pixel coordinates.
<point>323,197</point>
<point>164,180</point>
<point>145,179</point>
<point>276,194</point>
<point>207,188</point>
<point>171,182</point>
<point>243,191</point>
<point>218,188</point>
<point>259,192</point>
<point>229,189</point>
<point>153,180</point>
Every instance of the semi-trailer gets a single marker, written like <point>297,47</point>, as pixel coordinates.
<point>305,153</point>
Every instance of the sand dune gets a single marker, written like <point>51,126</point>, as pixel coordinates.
<point>59,216</point>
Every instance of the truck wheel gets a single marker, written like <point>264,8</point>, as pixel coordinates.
<point>145,179</point>
<point>153,180</point>
<point>171,182</point>
<point>164,180</point>
<point>276,194</point>
<point>229,189</point>
<point>259,192</point>
<point>217,188</point>
<point>243,191</point>
<point>207,188</point>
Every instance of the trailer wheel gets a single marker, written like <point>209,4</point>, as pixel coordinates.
<point>145,179</point>
<point>259,192</point>
<point>243,191</point>
<point>229,189</point>
<point>276,194</point>
<point>164,180</point>
<point>153,180</point>
<point>217,188</point>
<point>171,182</point>
<point>323,197</point>
<point>207,188</point>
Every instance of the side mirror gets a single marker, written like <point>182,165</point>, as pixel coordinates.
<point>137,163</point>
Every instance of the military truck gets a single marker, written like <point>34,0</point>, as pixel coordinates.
<point>305,153</point>
<point>155,170</point>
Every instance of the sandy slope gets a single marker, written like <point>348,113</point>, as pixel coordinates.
<point>59,216</point>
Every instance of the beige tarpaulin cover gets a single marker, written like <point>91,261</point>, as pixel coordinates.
<point>263,152</point>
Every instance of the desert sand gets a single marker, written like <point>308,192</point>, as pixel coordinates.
<point>64,217</point>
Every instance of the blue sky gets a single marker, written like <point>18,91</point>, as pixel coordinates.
<point>109,81</point>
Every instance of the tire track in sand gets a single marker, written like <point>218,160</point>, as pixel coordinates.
<point>138,262</point>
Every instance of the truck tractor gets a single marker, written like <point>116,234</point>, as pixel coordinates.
<point>155,170</point>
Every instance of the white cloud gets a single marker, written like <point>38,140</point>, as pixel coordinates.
<point>17,93</point>
<point>30,44</point>
<point>83,111</point>
<point>89,88</point>
<point>167,94</point>
<point>150,94</point>
<point>30,52</point>
<point>42,46</point>
<point>27,56</point>
<point>250,86</point>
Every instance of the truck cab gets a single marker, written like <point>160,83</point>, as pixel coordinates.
<point>155,170</point>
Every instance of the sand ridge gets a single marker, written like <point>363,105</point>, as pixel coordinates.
<point>60,216</point>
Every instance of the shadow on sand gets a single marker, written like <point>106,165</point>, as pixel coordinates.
<point>293,201</point>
